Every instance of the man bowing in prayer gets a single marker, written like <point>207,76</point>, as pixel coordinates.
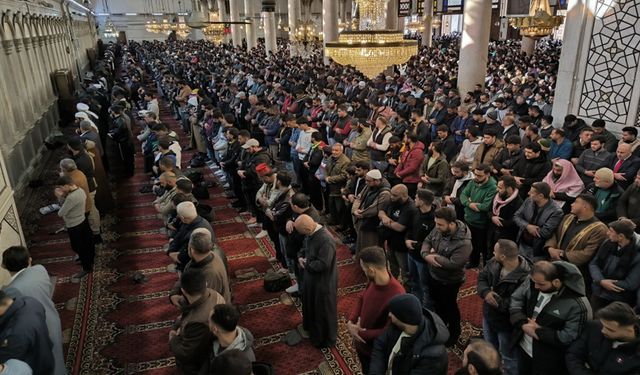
<point>320,283</point>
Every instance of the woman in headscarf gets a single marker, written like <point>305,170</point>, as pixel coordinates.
<point>565,183</point>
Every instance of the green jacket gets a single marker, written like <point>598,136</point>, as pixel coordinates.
<point>483,196</point>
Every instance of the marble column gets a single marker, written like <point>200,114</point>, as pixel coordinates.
<point>427,33</point>
<point>234,16</point>
<point>474,46</point>
<point>250,15</point>
<point>392,15</point>
<point>10,227</point>
<point>222,10</point>
<point>293,14</point>
<point>528,45</point>
<point>329,22</point>
<point>270,32</point>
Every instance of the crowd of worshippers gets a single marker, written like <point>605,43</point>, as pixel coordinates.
<point>428,183</point>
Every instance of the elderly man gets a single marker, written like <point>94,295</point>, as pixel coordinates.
<point>336,179</point>
<point>178,249</point>
<point>320,286</point>
<point>212,263</point>
<point>366,207</point>
<point>625,165</point>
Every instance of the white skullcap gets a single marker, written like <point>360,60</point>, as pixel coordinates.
<point>375,174</point>
<point>82,107</point>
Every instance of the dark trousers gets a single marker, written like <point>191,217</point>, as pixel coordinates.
<point>525,363</point>
<point>479,239</point>
<point>81,239</point>
<point>412,188</point>
<point>445,303</point>
<point>127,152</point>
<point>365,361</point>
<point>336,209</point>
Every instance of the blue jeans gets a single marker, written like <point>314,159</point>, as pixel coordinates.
<point>288,166</point>
<point>501,340</point>
<point>418,276</point>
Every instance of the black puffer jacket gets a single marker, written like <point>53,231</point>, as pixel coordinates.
<point>423,353</point>
<point>531,170</point>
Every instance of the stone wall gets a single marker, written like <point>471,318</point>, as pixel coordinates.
<point>34,44</point>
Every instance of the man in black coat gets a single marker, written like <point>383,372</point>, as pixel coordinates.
<point>320,286</point>
<point>625,165</point>
<point>179,248</point>
<point>422,334</point>
<point>609,345</point>
<point>24,334</point>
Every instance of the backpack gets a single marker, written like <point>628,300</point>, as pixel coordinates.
<point>276,282</point>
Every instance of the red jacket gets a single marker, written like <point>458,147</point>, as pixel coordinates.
<point>408,168</point>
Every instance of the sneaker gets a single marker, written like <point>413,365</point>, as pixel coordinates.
<point>292,289</point>
<point>263,233</point>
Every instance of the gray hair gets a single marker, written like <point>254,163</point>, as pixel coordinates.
<point>85,125</point>
<point>68,165</point>
<point>200,241</point>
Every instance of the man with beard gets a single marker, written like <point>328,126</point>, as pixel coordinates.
<point>536,219</point>
<point>365,209</point>
<point>480,358</point>
<point>533,167</point>
<point>408,168</point>
<point>122,142</point>
<point>341,127</point>
<point>446,250</point>
<point>561,146</point>
<point>592,159</point>
<point>608,345</point>
<point>370,317</point>
<point>548,312</point>
<point>336,178</point>
<point>420,127</point>
<point>476,198</point>
<point>358,145</point>
<point>470,145</point>
<point>417,232</point>
<point>500,277</point>
<point>249,176</point>
<point>379,143</point>
<point>435,170</point>
<point>395,220</point>
<point>508,157</point>
<point>460,177</point>
<point>488,149</point>
<point>610,140</point>
<point>320,286</point>
<point>505,204</point>
<point>413,343</point>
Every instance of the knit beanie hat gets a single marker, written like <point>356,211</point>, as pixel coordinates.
<point>605,175</point>
<point>407,308</point>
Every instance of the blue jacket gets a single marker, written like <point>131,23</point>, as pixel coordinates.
<point>295,134</point>
<point>271,128</point>
<point>562,150</point>
<point>460,124</point>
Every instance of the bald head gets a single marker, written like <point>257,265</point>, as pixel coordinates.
<point>399,193</point>
<point>482,356</point>
<point>187,211</point>
<point>305,225</point>
<point>623,151</point>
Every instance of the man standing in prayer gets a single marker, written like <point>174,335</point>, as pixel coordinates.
<point>320,286</point>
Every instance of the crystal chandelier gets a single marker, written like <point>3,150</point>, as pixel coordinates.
<point>110,30</point>
<point>371,48</point>
<point>539,23</point>
<point>215,31</point>
<point>305,32</point>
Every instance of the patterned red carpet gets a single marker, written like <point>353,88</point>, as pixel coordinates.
<point>113,326</point>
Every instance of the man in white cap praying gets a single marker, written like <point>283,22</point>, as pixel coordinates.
<point>372,200</point>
